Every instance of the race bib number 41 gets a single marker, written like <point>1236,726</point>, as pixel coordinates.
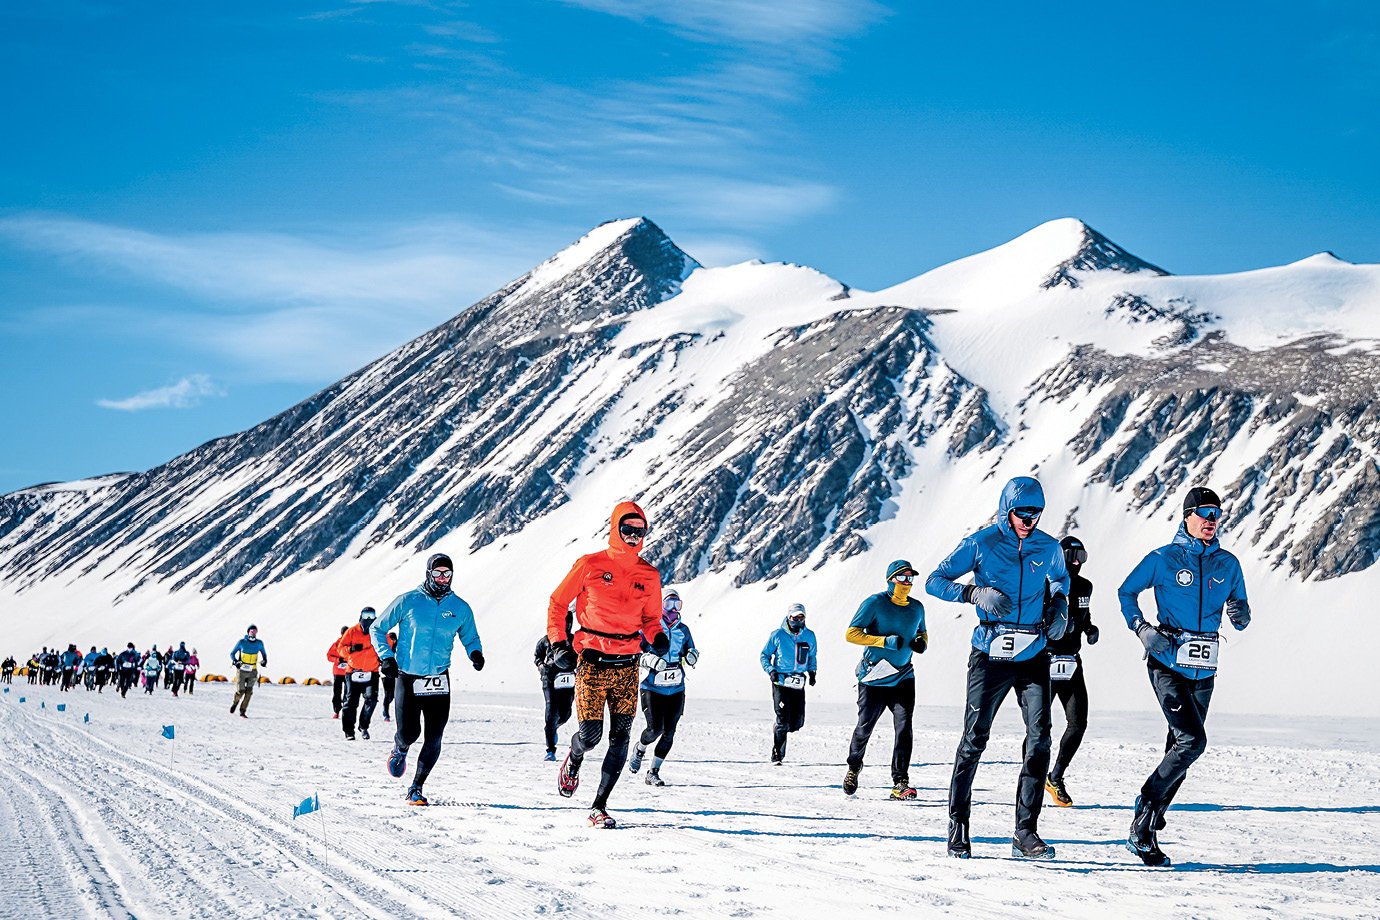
<point>1198,652</point>
<point>564,681</point>
<point>436,685</point>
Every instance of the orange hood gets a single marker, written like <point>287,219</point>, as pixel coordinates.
<point>617,547</point>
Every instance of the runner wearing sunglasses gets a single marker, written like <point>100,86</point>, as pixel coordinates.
<point>429,620</point>
<point>1020,588</point>
<point>890,625</point>
<point>1066,668</point>
<point>790,658</point>
<point>617,596</point>
<point>1195,582</point>
<point>663,689</point>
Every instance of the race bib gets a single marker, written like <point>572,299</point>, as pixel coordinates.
<point>361,677</point>
<point>437,685</point>
<point>1007,645</point>
<point>179,666</point>
<point>246,668</point>
<point>1197,650</point>
<point>668,677</point>
<point>794,681</point>
<point>1062,667</point>
<point>564,681</point>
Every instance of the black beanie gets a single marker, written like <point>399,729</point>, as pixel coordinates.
<point>1199,497</point>
<point>429,585</point>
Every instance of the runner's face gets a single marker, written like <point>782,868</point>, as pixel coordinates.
<point>632,530</point>
<point>1023,527</point>
<point>1199,528</point>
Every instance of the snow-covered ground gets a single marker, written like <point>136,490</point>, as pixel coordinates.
<point>1281,818</point>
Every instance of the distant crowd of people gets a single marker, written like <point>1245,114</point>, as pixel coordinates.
<point>175,669</point>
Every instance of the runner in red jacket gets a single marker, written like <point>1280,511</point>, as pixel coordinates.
<point>340,670</point>
<point>617,596</point>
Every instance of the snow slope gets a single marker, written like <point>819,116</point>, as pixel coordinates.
<point>1277,819</point>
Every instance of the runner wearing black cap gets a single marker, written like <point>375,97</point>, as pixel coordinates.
<point>890,625</point>
<point>1066,668</point>
<point>1196,581</point>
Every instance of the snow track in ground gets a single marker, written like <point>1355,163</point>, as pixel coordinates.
<point>1275,819</point>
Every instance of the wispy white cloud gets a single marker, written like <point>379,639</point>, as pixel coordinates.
<point>302,308</point>
<point>187,393</point>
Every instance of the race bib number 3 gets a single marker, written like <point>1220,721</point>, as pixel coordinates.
<point>794,681</point>
<point>564,681</point>
<point>432,686</point>
<point>1062,667</point>
<point>1006,646</point>
<point>669,677</point>
<point>1198,653</point>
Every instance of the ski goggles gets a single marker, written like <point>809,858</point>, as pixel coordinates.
<point>797,620</point>
<point>1078,556</point>
<point>629,530</point>
<point>442,573</point>
<point>904,578</point>
<point>671,603</point>
<point>1208,512</point>
<point>1027,515</point>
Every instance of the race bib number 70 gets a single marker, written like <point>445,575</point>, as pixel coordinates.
<point>435,685</point>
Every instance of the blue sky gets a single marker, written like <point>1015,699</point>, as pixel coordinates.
<point>207,212</point>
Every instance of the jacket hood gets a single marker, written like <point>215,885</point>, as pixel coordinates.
<point>786,625</point>
<point>620,511</point>
<point>1191,544</point>
<point>1021,492</point>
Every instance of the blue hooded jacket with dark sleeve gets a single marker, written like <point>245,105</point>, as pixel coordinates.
<point>790,653</point>
<point>681,642</point>
<point>1028,571</point>
<point>1193,581</point>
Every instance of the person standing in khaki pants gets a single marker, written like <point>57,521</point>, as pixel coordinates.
<point>247,655</point>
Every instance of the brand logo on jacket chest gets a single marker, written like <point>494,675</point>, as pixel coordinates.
<point>638,586</point>
<point>1184,577</point>
<point>608,578</point>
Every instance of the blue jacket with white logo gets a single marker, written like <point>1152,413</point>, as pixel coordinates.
<point>681,642</point>
<point>427,629</point>
<point>790,653</point>
<point>1027,571</point>
<point>1193,581</point>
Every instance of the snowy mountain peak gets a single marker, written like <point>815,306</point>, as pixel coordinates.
<point>632,237</point>
<point>1093,252</point>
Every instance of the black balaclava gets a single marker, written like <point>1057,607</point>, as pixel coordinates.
<point>1071,545</point>
<point>432,588</point>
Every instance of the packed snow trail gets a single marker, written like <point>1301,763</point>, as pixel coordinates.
<point>1275,818</point>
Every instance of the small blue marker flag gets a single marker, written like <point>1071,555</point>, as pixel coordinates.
<point>62,707</point>
<point>310,804</point>
<point>86,718</point>
<point>168,732</point>
<point>7,689</point>
<point>42,704</point>
<point>23,698</point>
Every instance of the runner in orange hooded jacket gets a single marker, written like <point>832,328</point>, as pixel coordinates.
<point>617,596</point>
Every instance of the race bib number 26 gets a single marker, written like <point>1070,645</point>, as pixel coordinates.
<point>1197,653</point>
<point>436,685</point>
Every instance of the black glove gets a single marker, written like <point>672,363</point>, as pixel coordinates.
<point>988,600</point>
<point>1057,617</point>
<point>1093,634</point>
<point>477,657</point>
<point>560,655</point>
<point>812,678</point>
<point>918,644</point>
<point>1239,612</point>
<point>661,644</point>
<point>773,676</point>
<point>357,647</point>
<point>388,667</point>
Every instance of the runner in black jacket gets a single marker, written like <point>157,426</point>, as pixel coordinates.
<point>1066,668</point>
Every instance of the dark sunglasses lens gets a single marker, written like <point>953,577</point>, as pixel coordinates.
<point>628,530</point>
<point>1208,513</point>
<point>1080,556</point>
<point>440,573</point>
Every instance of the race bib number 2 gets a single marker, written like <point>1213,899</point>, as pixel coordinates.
<point>436,685</point>
<point>361,677</point>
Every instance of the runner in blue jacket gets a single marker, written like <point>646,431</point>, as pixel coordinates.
<point>790,658</point>
<point>429,620</point>
<point>662,693</point>
<point>1195,582</point>
<point>890,625</point>
<point>1020,588</point>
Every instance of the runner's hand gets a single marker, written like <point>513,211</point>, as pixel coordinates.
<point>388,667</point>
<point>1239,612</point>
<point>1093,634</point>
<point>989,600</point>
<point>477,659</point>
<point>1150,637</point>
